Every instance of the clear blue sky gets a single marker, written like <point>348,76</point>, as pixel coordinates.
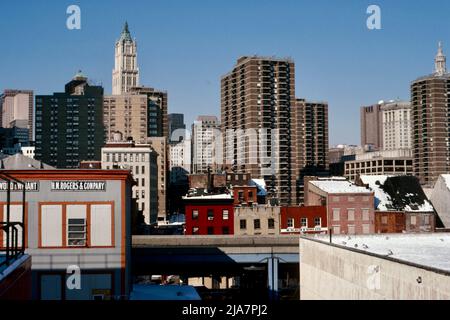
<point>185,46</point>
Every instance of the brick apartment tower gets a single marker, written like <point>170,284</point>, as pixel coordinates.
<point>431,122</point>
<point>310,133</point>
<point>258,95</point>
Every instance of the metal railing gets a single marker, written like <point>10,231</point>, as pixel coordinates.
<point>10,229</point>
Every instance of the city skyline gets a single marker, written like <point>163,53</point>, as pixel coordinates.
<point>194,87</point>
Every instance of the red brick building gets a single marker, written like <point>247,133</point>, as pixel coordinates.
<point>350,208</point>
<point>209,214</point>
<point>245,195</point>
<point>296,220</point>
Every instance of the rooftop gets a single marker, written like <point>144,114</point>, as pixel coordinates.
<point>397,193</point>
<point>431,250</point>
<point>339,186</point>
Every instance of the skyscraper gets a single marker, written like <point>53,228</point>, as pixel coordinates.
<point>310,135</point>
<point>397,124</point>
<point>17,108</point>
<point>430,102</point>
<point>126,71</point>
<point>371,126</point>
<point>204,145</point>
<point>176,122</point>
<point>69,125</point>
<point>256,101</point>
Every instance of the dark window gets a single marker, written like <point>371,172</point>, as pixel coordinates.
<point>210,230</point>
<point>243,224</point>
<point>194,214</point>
<point>257,224</point>
<point>250,195</point>
<point>210,214</point>
<point>271,223</point>
<point>225,230</point>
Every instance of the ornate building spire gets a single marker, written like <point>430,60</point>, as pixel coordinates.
<point>440,62</point>
<point>126,71</point>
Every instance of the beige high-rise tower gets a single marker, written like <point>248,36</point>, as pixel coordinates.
<point>126,72</point>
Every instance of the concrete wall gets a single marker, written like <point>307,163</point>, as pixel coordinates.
<point>440,198</point>
<point>330,272</point>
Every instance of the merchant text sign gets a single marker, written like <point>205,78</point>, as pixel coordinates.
<point>78,186</point>
<point>14,186</point>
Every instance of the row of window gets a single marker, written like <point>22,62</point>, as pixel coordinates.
<point>210,214</point>
<point>350,214</point>
<point>257,224</point>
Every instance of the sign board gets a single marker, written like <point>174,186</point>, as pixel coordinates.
<point>29,186</point>
<point>78,185</point>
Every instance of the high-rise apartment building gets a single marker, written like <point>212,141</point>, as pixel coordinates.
<point>430,100</point>
<point>310,130</point>
<point>69,125</point>
<point>176,122</point>
<point>126,71</point>
<point>157,124</point>
<point>396,124</point>
<point>17,107</point>
<point>256,101</point>
<point>126,114</point>
<point>206,144</point>
<point>372,126</point>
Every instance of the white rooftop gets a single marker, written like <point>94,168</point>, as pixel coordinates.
<point>428,250</point>
<point>446,178</point>
<point>339,186</point>
<point>214,196</point>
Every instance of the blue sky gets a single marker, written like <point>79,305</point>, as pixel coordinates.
<point>184,47</point>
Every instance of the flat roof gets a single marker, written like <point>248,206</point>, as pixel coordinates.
<point>339,186</point>
<point>426,250</point>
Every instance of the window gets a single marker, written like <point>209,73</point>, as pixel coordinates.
<point>250,195</point>
<point>426,220</point>
<point>384,220</point>
<point>225,230</point>
<point>351,229</point>
<point>194,214</point>
<point>210,230</point>
<point>336,230</point>
<point>243,224</point>
<point>225,215</point>
<point>365,214</point>
<point>336,214</point>
<point>335,199</point>
<point>413,220</point>
<point>257,224</point>
<point>318,222</point>
<point>351,214</point>
<point>304,222</point>
<point>290,222</point>
<point>76,232</point>
<point>366,228</point>
<point>351,199</point>
<point>195,230</point>
<point>271,223</point>
<point>210,214</point>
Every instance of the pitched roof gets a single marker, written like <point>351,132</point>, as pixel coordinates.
<point>21,162</point>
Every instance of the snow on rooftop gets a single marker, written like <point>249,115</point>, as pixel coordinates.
<point>383,201</point>
<point>261,184</point>
<point>339,186</point>
<point>428,250</point>
<point>213,196</point>
<point>446,178</point>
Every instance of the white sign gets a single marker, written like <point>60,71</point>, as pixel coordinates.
<point>78,185</point>
<point>29,186</point>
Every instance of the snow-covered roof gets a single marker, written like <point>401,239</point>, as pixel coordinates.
<point>397,193</point>
<point>428,250</point>
<point>446,178</point>
<point>339,186</point>
<point>383,201</point>
<point>213,196</point>
<point>261,184</point>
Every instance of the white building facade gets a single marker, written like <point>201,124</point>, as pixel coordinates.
<point>179,160</point>
<point>141,161</point>
<point>206,148</point>
<point>397,125</point>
